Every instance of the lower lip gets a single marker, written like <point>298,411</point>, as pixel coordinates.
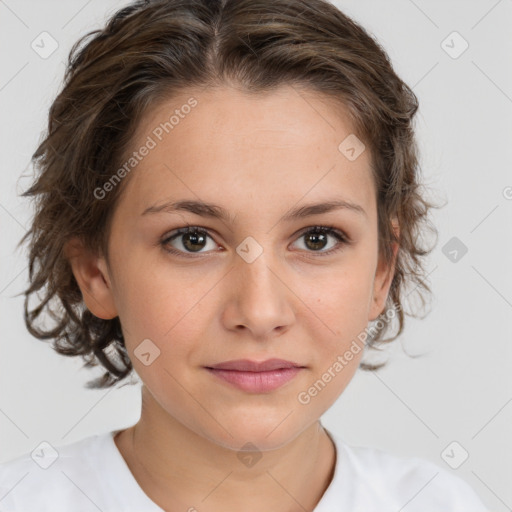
<point>257,382</point>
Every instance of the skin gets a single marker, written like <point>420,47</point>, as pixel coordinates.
<point>258,157</point>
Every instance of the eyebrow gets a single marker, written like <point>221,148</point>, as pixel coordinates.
<point>217,212</point>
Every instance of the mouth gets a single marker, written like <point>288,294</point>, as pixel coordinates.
<point>256,377</point>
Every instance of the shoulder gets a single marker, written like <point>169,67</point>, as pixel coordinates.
<point>400,480</point>
<point>51,476</point>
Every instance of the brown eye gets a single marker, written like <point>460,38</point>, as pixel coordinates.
<point>316,239</point>
<point>192,239</point>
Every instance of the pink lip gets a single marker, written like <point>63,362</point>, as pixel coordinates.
<point>246,365</point>
<point>256,377</point>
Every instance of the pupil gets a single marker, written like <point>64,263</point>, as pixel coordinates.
<point>315,237</point>
<point>195,239</point>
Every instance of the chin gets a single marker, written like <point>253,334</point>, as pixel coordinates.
<point>265,434</point>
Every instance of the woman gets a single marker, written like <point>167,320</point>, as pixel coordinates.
<point>228,197</point>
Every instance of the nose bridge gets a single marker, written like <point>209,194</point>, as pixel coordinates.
<point>258,276</point>
<point>261,297</point>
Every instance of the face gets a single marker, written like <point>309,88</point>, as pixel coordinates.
<point>259,283</point>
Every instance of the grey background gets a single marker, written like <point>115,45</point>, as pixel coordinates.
<point>461,389</point>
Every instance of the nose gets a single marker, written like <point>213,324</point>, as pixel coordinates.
<point>259,299</point>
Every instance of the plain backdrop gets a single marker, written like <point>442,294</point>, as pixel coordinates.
<point>459,393</point>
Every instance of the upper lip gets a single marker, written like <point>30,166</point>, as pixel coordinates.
<point>246,365</point>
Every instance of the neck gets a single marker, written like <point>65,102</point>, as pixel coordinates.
<point>180,469</point>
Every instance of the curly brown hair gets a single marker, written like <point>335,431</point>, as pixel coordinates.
<point>150,50</point>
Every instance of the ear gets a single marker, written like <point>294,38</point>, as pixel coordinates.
<point>91,274</point>
<point>383,279</point>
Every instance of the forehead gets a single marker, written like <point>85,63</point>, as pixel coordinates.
<point>275,148</point>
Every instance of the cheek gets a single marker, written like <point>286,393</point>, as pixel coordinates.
<point>169,306</point>
<point>338,345</point>
<point>342,296</point>
<point>336,317</point>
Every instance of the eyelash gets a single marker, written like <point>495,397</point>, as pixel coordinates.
<point>342,238</point>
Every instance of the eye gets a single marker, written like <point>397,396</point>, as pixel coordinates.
<point>316,239</point>
<point>193,239</point>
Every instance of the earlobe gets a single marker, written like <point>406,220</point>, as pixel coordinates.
<point>92,277</point>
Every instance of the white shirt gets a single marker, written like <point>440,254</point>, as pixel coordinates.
<point>91,475</point>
